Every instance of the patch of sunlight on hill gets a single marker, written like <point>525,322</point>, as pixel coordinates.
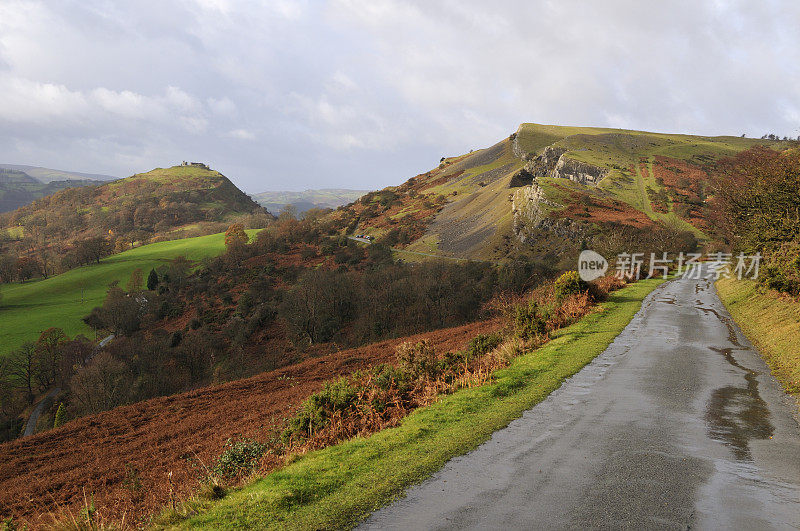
<point>63,300</point>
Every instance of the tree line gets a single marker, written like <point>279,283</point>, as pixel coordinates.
<point>757,210</point>
<point>245,312</point>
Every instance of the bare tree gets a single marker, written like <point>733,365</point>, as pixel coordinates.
<point>23,367</point>
<point>136,281</point>
<point>101,385</point>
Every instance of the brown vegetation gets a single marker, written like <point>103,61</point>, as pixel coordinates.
<point>594,209</point>
<point>686,188</point>
<point>49,472</point>
<point>136,459</point>
<point>757,210</point>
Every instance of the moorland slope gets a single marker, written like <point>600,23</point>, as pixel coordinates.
<point>545,190</point>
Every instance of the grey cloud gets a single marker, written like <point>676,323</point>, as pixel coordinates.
<point>365,93</point>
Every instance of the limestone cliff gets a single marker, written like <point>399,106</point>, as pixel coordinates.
<point>529,201</point>
<point>529,209</point>
<point>577,171</point>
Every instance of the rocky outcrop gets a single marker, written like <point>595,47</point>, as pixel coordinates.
<point>577,171</point>
<point>529,203</point>
<point>528,208</point>
<point>554,162</point>
<point>521,178</point>
<point>546,163</point>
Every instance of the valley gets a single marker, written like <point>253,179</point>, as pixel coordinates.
<point>447,306</point>
<point>18,188</point>
<point>399,265</point>
<point>275,202</point>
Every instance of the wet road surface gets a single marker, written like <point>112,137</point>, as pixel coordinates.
<point>677,425</point>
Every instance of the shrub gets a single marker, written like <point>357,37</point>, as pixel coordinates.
<point>530,321</point>
<point>509,350</point>
<point>176,339</point>
<point>419,360</point>
<point>245,305</point>
<point>133,479</point>
<point>569,283</point>
<point>152,280</point>
<point>88,512</point>
<point>600,288</point>
<point>315,413</point>
<point>238,459</point>
<point>211,491</point>
<point>482,344</point>
<point>456,359</point>
<point>387,377</point>
<point>571,309</point>
<point>61,416</point>
<point>781,271</point>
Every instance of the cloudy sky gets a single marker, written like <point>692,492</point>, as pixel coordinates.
<point>287,95</point>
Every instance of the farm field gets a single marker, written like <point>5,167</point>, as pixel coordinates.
<point>63,300</point>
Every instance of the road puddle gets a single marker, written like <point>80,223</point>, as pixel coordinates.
<point>736,415</point>
<point>733,337</point>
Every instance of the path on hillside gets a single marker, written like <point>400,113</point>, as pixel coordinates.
<point>30,427</point>
<point>678,424</point>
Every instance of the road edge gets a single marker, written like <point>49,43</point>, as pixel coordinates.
<point>771,323</point>
<point>339,486</point>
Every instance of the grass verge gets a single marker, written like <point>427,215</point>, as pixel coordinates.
<point>771,322</point>
<point>340,485</point>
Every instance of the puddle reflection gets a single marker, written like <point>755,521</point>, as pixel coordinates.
<point>737,415</point>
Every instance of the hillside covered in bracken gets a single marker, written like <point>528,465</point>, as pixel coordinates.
<point>338,322</point>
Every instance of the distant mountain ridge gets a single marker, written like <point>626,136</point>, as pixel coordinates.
<point>21,185</point>
<point>275,201</point>
<point>48,175</point>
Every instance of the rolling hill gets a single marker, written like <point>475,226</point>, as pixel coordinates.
<point>21,185</point>
<point>139,208</point>
<point>308,199</point>
<point>47,175</point>
<point>63,300</point>
<point>546,189</point>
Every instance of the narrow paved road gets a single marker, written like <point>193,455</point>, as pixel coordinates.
<point>678,425</point>
<point>30,427</point>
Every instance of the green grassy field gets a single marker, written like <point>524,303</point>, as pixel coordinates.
<point>61,301</point>
<point>194,174</point>
<point>771,322</point>
<point>337,487</point>
<point>605,147</point>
